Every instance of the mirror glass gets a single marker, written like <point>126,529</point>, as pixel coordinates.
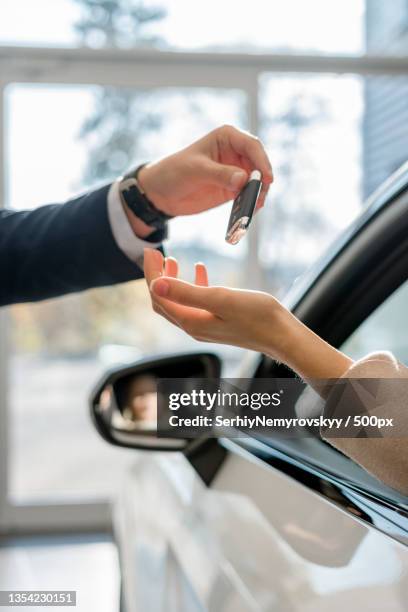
<point>124,404</point>
<point>136,397</point>
<point>127,410</point>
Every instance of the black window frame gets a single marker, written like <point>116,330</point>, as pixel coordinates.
<point>366,265</point>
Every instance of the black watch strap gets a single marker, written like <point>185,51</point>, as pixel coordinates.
<point>134,197</point>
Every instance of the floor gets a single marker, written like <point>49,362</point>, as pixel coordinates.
<point>84,563</point>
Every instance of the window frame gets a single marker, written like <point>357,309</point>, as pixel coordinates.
<point>389,518</point>
<point>369,265</point>
<point>364,272</point>
<point>146,69</point>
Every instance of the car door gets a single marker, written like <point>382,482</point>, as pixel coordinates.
<point>276,525</point>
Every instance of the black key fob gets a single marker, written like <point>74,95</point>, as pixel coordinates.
<point>243,208</point>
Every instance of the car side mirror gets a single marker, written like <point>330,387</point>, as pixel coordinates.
<point>124,402</point>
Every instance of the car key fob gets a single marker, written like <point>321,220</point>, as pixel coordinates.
<point>243,208</point>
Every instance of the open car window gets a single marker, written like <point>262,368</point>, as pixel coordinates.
<point>385,329</point>
<point>356,298</point>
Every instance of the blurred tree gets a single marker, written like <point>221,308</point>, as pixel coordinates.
<point>117,23</point>
<point>121,116</point>
<point>79,324</point>
<point>113,134</point>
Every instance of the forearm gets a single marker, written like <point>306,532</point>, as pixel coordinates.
<point>304,351</point>
<point>59,249</point>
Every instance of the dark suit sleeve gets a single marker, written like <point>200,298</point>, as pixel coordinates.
<point>59,249</point>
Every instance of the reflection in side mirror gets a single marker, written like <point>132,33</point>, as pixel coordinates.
<point>124,403</point>
<point>137,403</point>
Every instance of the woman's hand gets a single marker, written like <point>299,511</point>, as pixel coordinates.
<point>249,319</point>
<point>207,173</point>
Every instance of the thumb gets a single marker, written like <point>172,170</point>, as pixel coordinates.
<point>184,293</point>
<point>232,178</point>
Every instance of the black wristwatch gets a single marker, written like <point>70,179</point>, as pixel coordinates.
<point>133,196</point>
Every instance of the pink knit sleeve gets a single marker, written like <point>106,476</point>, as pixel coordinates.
<point>386,457</point>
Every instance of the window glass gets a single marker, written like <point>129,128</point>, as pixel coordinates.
<point>316,130</point>
<point>384,329</point>
<point>333,140</point>
<point>386,25</point>
<point>211,25</point>
<point>311,125</point>
<point>385,129</point>
<point>60,347</point>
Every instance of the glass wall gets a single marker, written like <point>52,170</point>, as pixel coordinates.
<point>316,26</point>
<point>312,127</point>
<point>60,347</point>
<point>332,138</point>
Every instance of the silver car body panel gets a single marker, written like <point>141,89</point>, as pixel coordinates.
<point>255,540</point>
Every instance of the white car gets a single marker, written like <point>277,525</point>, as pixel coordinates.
<point>262,524</point>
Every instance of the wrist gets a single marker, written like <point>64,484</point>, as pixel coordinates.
<point>149,180</point>
<point>139,227</point>
<point>280,333</point>
<point>305,352</point>
<point>145,219</point>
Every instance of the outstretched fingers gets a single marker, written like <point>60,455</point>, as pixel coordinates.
<point>154,265</point>
<point>201,275</point>
<point>190,307</point>
<point>171,267</point>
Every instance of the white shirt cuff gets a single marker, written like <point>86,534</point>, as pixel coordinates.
<point>130,244</point>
